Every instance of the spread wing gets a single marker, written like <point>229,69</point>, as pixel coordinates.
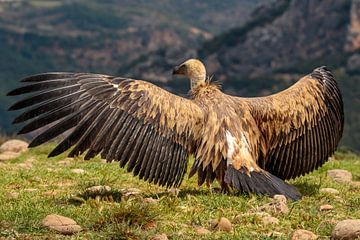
<point>301,126</point>
<point>137,123</point>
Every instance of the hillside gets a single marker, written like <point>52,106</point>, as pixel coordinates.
<point>283,41</point>
<point>106,36</point>
<point>252,48</point>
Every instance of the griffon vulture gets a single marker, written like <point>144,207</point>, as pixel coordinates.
<point>250,144</point>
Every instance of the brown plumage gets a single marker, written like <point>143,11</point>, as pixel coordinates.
<point>250,144</point>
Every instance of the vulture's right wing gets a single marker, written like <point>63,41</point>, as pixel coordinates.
<point>301,126</point>
<point>131,121</point>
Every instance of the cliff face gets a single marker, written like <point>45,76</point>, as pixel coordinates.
<point>311,31</point>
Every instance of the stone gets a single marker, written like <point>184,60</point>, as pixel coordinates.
<point>326,207</point>
<point>130,192</point>
<point>8,155</point>
<point>30,190</point>
<point>149,225</point>
<point>280,198</point>
<point>150,200</point>
<point>329,190</point>
<point>61,224</point>
<point>302,234</point>
<point>100,189</point>
<point>268,220</point>
<point>277,205</point>
<point>78,171</point>
<point>340,176</point>
<point>355,183</point>
<point>174,191</point>
<point>12,195</point>
<point>14,145</point>
<point>26,165</point>
<point>222,224</point>
<point>201,231</point>
<point>346,230</point>
<point>159,237</point>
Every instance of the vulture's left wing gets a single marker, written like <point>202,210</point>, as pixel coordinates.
<point>131,121</point>
<point>300,126</point>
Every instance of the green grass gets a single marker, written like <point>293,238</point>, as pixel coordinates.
<point>107,217</point>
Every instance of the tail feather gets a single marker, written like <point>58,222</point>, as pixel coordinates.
<point>260,182</point>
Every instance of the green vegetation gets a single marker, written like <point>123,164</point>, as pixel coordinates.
<point>58,191</point>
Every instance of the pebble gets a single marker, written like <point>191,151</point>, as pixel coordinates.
<point>159,237</point>
<point>14,145</point>
<point>326,207</point>
<point>355,183</point>
<point>30,190</point>
<point>78,171</point>
<point>130,192</point>
<point>340,176</point>
<point>201,231</point>
<point>26,165</point>
<point>277,205</point>
<point>346,230</point>
<point>61,224</point>
<point>302,234</point>
<point>268,220</point>
<point>329,190</point>
<point>8,155</point>
<point>150,200</point>
<point>222,224</point>
<point>12,195</point>
<point>149,225</point>
<point>100,189</point>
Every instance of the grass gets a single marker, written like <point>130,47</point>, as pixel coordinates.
<point>58,191</point>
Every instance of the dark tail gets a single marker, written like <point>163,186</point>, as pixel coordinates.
<point>262,182</point>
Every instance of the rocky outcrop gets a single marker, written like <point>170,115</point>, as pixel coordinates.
<point>296,31</point>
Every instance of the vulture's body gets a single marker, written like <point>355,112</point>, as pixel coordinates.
<point>250,144</point>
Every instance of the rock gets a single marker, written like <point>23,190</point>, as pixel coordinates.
<point>61,224</point>
<point>270,220</point>
<point>65,162</point>
<point>302,234</point>
<point>12,195</point>
<point>78,171</point>
<point>222,224</point>
<point>150,200</point>
<point>346,230</point>
<point>173,191</point>
<point>355,183</point>
<point>130,191</point>
<point>340,176</point>
<point>30,190</point>
<point>329,190</point>
<point>326,207</point>
<point>14,145</point>
<point>201,231</point>
<point>8,155</point>
<point>98,189</point>
<point>277,206</point>
<point>149,225</point>
<point>159,237</point>
<point>25,165</point>
<point>280,198</point>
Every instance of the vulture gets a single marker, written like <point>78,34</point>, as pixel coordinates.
<point>249,145</point>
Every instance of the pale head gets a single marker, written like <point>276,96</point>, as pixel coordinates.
<point>194,69</point>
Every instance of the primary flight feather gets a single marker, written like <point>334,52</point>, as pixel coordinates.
<point>250,144</point>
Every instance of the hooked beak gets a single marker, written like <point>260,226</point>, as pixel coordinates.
<point>179,70</point>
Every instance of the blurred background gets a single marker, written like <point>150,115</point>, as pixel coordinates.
<point>253,47</point>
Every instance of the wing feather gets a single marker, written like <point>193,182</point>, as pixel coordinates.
<point>144,127</point>
<point>301,126</point>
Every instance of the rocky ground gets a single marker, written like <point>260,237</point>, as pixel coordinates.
<point>44,198</point>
